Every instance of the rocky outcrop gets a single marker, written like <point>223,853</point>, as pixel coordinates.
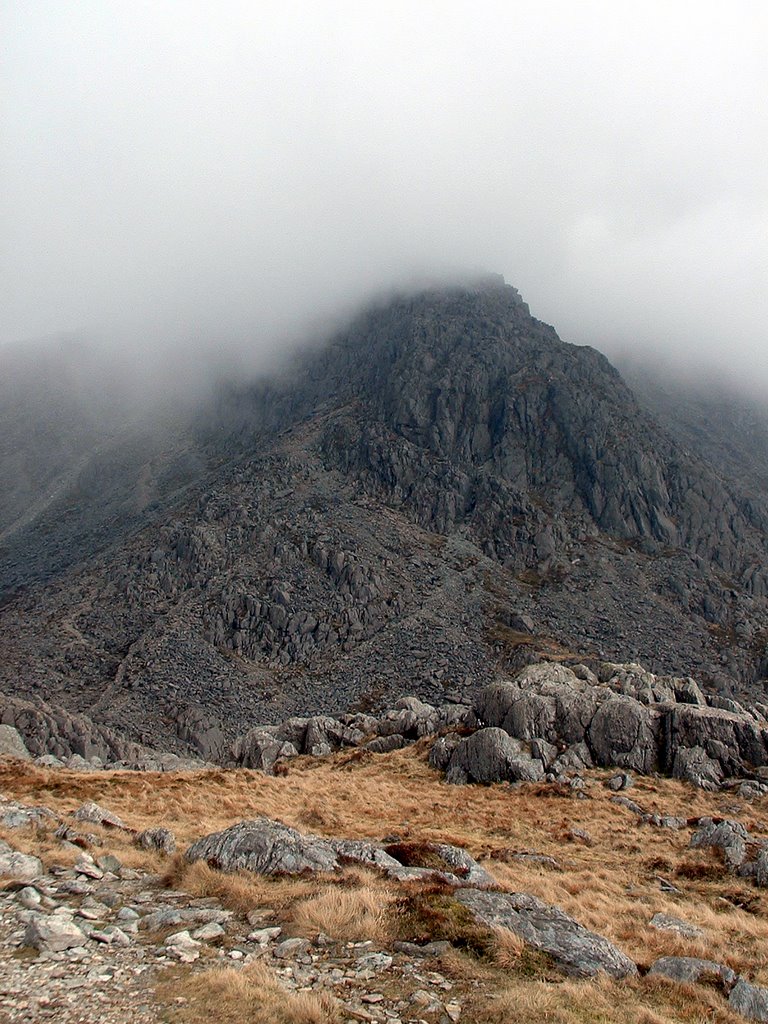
<point>549,719</point>
<point>269,847</point>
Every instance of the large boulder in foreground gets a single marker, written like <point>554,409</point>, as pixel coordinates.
<point>576,950</point>
<point>269,847</point>
<point>266,847</point>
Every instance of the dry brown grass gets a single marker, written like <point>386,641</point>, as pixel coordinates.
<point>644,1001</point>
<point>610,886</point>
<point>251,995</point>
<point>351,915</point>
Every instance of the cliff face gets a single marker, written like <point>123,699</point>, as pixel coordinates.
<point>439,492</point>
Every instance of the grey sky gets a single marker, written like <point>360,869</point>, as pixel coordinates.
<point>219,172</point>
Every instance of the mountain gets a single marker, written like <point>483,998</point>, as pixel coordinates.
<point>440,492</point>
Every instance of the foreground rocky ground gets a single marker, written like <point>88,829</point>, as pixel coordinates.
<point>385,895</point>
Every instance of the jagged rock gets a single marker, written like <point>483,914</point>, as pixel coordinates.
<point>735,740</point>
<point>695,766</point>
<point>751,1001</point>
<point>260,748</point>
<point>621,781</point>
<point>575,949</point>
<point>159,838</point>
<point>325,734</point>
<point>729,836</point>
<point>625,733</point>
<point>545,752</point>
<point>692,969</point>
<point>576,758</point>
<point>96,815</point>
<point>11,743</point>
<point>491,755</point>
<point>442,751</point>
<point>21,866</point>
<point>411,718</point>
<point>53,934</point>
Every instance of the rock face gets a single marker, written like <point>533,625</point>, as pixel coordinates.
<point>575,949</point>
<point>444,490</point>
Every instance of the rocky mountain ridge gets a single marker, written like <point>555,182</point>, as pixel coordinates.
<point>442,493</point>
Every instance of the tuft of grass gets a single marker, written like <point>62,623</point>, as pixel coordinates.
<point>350,915</point>
<point>251,995</point>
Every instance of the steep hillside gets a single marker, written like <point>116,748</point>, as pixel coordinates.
<point>438,493</point>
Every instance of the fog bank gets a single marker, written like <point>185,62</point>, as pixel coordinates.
<point>189,176</point>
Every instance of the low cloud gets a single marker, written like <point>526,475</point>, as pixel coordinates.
<point>198,177</point>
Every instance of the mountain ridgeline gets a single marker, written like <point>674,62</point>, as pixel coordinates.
<point>440,493</point>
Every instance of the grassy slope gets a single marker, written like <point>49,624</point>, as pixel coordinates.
<point>610,885</point>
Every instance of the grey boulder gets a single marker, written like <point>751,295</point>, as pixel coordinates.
<point>492,755</point>
<point>751,1001</point>
<point>576,950</point>
<point>264,846</point>
<point>692,969</point>
<point>53,934</point>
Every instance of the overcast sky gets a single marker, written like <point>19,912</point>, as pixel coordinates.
<point>218,172</point>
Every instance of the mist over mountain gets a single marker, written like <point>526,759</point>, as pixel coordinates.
<point>182,180</point>
<point>440,492</point>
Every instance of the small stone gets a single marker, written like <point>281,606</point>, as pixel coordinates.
<point>209,931</point>
<point>108,862</point>
<point>91,812</point>
<point>668,923</point>
<point>453,1010</point>
<point>29,897</point>
<point>127,914</point>
<point>265,935</point>
<point>291,948</point>
<point>53,934</point>
<point>373,962</point>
